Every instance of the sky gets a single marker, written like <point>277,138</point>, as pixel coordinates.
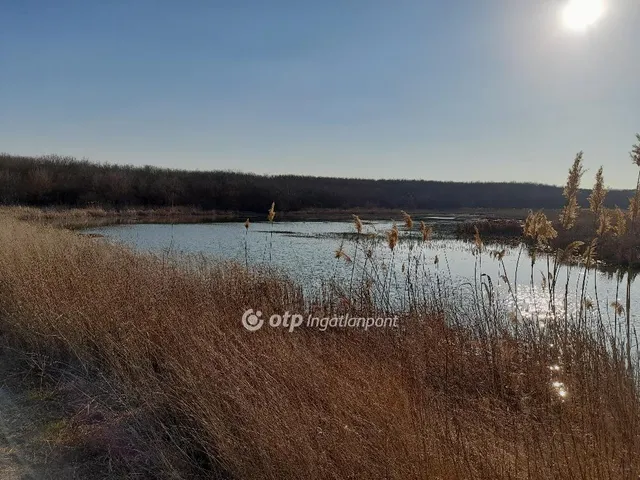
<point>465,90</point>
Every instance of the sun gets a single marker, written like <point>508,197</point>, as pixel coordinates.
<point>579,15</point>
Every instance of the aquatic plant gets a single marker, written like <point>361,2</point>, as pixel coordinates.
<point>570,211</point>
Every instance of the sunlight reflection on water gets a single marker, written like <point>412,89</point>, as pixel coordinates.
<point>306,251</point>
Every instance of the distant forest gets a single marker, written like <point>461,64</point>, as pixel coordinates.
<point>64,181</point>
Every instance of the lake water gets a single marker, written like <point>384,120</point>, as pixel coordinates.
<point>307,252</point>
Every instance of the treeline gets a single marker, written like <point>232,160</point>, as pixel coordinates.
<point>55,180</point>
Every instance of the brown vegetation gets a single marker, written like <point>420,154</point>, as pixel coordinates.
<point>78,218</point>
<point>461,389</point>
<point>492,228</point>
<point>450,394</point>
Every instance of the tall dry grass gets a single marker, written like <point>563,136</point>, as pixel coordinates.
<point>450,394</point>
<point>88,217</point>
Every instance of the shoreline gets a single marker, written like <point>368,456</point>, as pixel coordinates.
<point>78,218</point>
<point>182,375</point>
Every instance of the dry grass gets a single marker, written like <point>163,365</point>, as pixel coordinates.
<point>78,218</point>
<point>491,228</point>
<point>613,249</point>
<point>436,399</point>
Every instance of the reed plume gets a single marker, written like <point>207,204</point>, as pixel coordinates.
<point>343,254</point>
<point>618,308</point>
<point>408,221</point>
<point>599,192</point>
<point>619,222</point>
<point>358,223</point>
<point>570,211</point>
<point>634,207</point>
<point>498,254</point>
<point>270,216</point>
<point>634,203</point>
<point>590,253</point>
<point>569,253</point>
<point>246,224</point>
<point>426,231</point>
<point>477,240</point>
<point>596,202</point>
<point>392,237</point>
<point>538,228</point>
<point>635,151</point>
<point>604,223</point>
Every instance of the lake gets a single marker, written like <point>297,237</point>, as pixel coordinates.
<point>306,251</point>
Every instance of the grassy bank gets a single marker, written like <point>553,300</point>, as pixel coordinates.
<point>79,218</point>
<point>451,393</point>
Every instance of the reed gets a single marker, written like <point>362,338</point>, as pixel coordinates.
<point>570,211</point>
<point>463,388</point>
<point>449,394</point>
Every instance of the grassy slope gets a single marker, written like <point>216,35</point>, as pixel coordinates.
<point>429,401</point>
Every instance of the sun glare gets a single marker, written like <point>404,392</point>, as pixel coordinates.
<point>579,15</point>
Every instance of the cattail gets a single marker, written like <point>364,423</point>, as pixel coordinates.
<point>392,237</point>
<point>569,213</point>
<point>246,224</point>
<point>272,212</point>
<point>596,198</point>
<point>426,231</point>
<point>619,222</point>
<point>408,221</point>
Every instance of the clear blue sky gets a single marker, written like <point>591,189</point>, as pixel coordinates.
<point>433,89</point>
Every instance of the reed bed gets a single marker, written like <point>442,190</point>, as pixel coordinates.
<point>451,393</point>
<point>462,388</point>
<point>78,218</point>
<point>500,228</point>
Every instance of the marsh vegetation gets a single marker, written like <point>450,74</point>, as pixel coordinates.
<point>467,386</point>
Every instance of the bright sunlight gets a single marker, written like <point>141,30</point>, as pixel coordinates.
<point>578,15</point>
